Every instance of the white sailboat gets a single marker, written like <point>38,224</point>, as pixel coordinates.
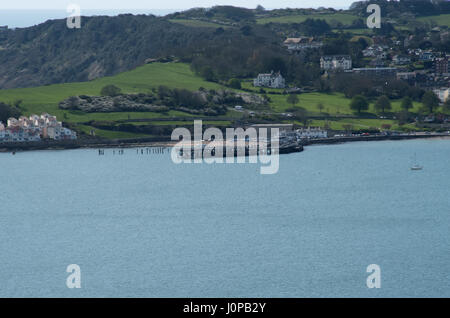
<point>416,166</point>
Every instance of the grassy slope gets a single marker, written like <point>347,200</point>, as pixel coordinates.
<point>144,79</point>
<point>443,19</point>
<point>344,18</point>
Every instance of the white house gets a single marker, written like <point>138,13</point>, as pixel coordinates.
<point>272,80</point>
<point>12,122</point>
<point>401,59</point>
<point>336,62</point>
<point>68,134</point>
<point>302,43</point>
<point>442,93</point>
<point>311,133</point>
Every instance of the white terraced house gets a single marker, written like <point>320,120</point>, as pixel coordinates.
<point>312,133</point>
<point>272,80</point>
<point>336,62</point>
<point>33,128</point>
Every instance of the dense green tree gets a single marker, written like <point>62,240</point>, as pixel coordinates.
<point>382,104</point>
<point>235,83</point>
<point>246,30</point>
<point>407,103</point>
<point>17,103</point>
<point>359,103</point>
<point>430,101</point>
<point>446,106</point>
<point>320,107</point>
<point>7,111</point>
<point>164,91</point>
<point>313,27</point>
<point>301,114</point>
<point>292,99</point>
<point>260,8</point>
<point>207,73</point>
<point>276,64</point>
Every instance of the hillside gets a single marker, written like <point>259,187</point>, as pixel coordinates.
<point>192,52</point>
<point>51,53</point>
<point>145,79</point>
<point>140,80</point>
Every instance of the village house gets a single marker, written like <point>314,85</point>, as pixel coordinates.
<point>336,62</point>
<point>377,62</point>
<point>308,133</point>
<point>375,51</point>
<point>426,56</point>
<point>301,44</point>
<point>272,80</point>
<point>34,128</point>
<point>401,59</point>
<point>303,133</point>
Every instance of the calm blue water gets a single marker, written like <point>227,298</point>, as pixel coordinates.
<point>140,226</point>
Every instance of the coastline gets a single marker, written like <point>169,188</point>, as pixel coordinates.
<point>338,140</point>
<point>167,143</point>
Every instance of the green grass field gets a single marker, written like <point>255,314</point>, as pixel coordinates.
<point>334,104</point>
<point>344,18</point>
<point>443,19</point>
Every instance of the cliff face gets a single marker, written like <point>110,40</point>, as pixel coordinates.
<point>51,53</point>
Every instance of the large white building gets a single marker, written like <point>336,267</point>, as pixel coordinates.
<point>336,62</point>
<point>34,128</point>
<point>272,80</point>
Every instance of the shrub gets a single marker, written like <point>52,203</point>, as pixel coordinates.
<point>110,90</point>
<point>235,83</point>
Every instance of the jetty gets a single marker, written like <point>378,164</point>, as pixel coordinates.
<point>249,149</point>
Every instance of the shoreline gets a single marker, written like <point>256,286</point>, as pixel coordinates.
<point>339,140</point>
<point>167,143</point>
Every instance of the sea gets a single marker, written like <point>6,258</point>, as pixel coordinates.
<point>139,225</point>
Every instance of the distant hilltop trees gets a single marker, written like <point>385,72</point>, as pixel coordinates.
<point>392,8</point>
